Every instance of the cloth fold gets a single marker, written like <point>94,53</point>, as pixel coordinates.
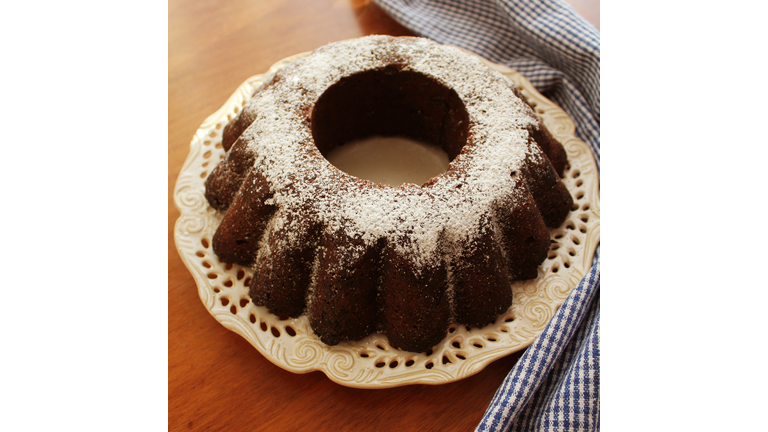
<point>556,383</point>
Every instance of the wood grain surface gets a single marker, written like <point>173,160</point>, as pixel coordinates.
<point>216,380</point>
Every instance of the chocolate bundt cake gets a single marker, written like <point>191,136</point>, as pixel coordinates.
<point>360,257</point>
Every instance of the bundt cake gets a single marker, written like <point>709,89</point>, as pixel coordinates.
<point>360,257</point>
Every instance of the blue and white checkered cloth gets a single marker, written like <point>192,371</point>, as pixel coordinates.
<point>556,383</point>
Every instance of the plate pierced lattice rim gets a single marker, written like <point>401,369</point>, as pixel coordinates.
<point>372,363</point>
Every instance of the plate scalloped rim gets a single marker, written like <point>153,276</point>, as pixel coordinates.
<point>371,362</point>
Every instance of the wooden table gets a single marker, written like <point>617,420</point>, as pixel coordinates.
<point>217,380</point>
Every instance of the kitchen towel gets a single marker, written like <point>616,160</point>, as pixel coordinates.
<point>556,383</point>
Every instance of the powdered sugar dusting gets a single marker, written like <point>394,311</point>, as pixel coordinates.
<point>420,223</point>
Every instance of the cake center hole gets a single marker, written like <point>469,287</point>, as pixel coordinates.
<point>390,160</point>
<point>390,125</point>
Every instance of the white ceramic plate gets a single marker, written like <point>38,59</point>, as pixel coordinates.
<point>372,362</point>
